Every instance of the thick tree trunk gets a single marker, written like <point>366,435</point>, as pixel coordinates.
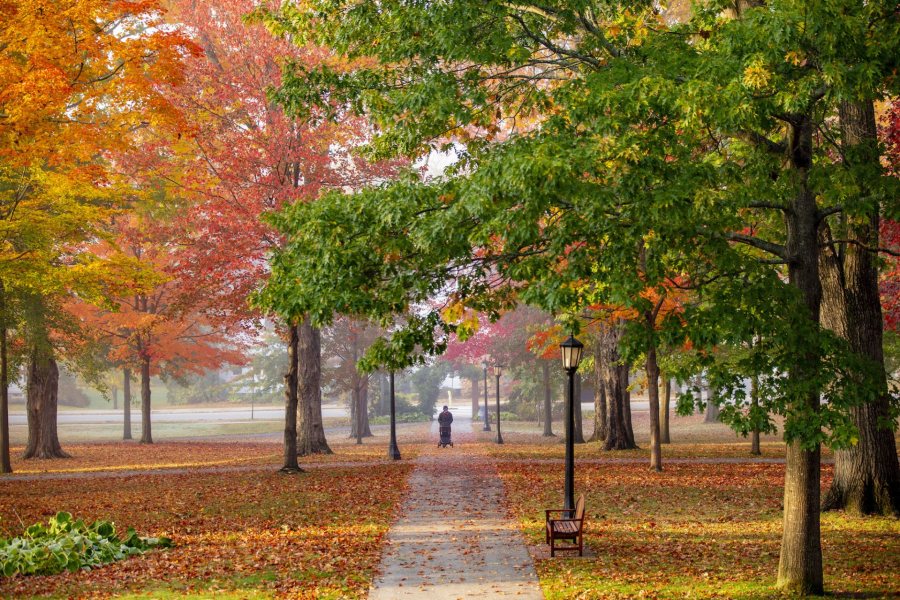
<point>290,406</point>
<point>126,403</point>
<point>578,436</point>
<point>146,425</point>
<point>754,403</point>
<point>5,464</point>
<point>800,563</point>
<point>311,432</point>
<point>600,416</point>
<point>42,402</point>
<point>626,404</point>
<point>653,389</point>
<point>619,438</point>
<point>664,412</point>
<point>867,475</point>
<point>359,409</point>
<point>548,399</point>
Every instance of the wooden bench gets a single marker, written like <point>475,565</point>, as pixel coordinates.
<point>568,528</point>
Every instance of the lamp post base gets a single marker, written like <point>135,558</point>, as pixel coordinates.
<point>394,453</point>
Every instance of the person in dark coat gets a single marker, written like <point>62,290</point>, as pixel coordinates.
<point>444,420</point>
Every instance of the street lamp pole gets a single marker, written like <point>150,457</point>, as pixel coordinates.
<point>497,371</point>
<point>393,450</point>
<point>571,356</point>
<point>487,423</point>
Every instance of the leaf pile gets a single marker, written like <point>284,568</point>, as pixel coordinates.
<point>68,545</point>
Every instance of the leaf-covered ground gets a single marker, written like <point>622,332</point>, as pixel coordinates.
<point>259,534</point>
<point>695,530</point>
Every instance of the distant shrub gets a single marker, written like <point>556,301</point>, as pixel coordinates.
<point>64,544</point>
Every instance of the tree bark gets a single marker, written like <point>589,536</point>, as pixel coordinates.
<point>653,389</point>
<point>626,404</point>
<point>867,475</point>
<point>42,402</point>
<point>311,432</point>
<point>600,416</point>
<point>290,406</point>
<point>5,463</point>
<point>664,412</point>
<point>754,403</point>
<point>619,435</point>
<point>126,402</point>
<point>800,562</point>
<point>146,425</point>
<point>578,436</point>
<point>548,399</point>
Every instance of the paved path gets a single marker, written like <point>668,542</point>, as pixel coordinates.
<point>454,539</point>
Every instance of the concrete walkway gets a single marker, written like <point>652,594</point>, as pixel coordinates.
<point>454,539</point>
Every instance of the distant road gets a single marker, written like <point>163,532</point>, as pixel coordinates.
<point>176,415</point>
<point>213,415</point>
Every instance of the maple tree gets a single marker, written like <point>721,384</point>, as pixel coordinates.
<point>245,158</point>
<point>174,324</point>
<point>77,80</point>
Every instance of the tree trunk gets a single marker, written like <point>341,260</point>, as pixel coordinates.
<point>146,426</point>
<point>290,406</point>
<point>800,562</point>
<point>311,432</point>
<point>867,475</point>
<point>364,397</point>
<point>754,406</point>
<point>578,436</point>
<point>600,416</point>
<point>42,402</point>
<point>476,396</point>
<point>712,408</point>
<point>664,412</point>
<point>626,404</point>
<point>619,436</point>
<point>548,399</point>
<point>115,397</point>
<point>653,389</point>
<point>126,402</point>
<point>5,464</point>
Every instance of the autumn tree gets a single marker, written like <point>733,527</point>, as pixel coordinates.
<point>247,157</point>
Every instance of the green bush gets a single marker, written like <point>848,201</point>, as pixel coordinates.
<point>65,544</point>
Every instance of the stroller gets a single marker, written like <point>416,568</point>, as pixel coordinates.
<point>445,437</point>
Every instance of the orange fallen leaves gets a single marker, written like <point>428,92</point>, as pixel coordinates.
<point>308,535</point>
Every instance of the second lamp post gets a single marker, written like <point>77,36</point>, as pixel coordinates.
<point>487,422</point>
<point>571,356</point>
<point>498,370</point>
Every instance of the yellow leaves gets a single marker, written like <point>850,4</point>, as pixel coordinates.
<point>756,75</point>
<point>795,58</point>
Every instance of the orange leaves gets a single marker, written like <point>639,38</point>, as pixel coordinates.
<point>311,535</point>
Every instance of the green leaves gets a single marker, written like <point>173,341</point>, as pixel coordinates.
<point>66,544</point>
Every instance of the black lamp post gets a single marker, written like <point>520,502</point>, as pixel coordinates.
<point>393,450</point>
<point>571,356</point>
<point>487,423</point>
<point>498,369</point>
